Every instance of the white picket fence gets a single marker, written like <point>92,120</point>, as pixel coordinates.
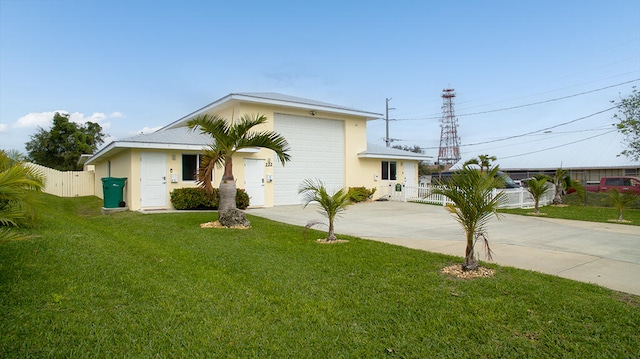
<point>515,197</point>
<point>66,183</point>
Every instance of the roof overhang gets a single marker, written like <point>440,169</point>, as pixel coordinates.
<point>116,147</point>
<point>291,102</point>
<point>383,156</point>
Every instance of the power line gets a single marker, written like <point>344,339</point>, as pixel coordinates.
<point>521,106</point>
<point>532,132</point>
<point>542,130</point>
<point>562,145</point>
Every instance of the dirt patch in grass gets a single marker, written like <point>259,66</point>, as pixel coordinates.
<point>335,241</point>
<point>217,224</point>
<point>617,221</point>
<point>456,271</point>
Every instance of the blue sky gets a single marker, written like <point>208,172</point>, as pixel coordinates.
<point>134,66</point>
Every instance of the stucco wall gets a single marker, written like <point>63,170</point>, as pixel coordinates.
<point>118,165</point>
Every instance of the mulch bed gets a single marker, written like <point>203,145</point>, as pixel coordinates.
<point>456,271</point>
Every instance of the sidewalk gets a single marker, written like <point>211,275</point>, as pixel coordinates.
<point>601,253</point>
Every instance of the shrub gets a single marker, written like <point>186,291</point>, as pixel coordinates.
<point>242,199</point>
<point>360,194</point>
<point>195,198</point>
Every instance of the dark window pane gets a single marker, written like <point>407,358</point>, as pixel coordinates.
<point>189,167</point>
<point>385,170</point>
<point>392,171</point>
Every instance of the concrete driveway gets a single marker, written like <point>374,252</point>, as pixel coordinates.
<point>601,253</point>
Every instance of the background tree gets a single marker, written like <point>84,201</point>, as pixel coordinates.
<point>330,205</point>
<point>629,123</point>
<point>621,200</point>
<point>538,187</point>
<point>61,147</point>
<point>17,182</point>
<point>471,192</point>
<point>229,138</point>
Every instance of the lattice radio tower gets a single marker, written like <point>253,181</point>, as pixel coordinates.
<point>449,152</point>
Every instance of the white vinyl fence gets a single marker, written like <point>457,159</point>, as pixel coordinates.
<point>66,183</point>
<point>515,197</point>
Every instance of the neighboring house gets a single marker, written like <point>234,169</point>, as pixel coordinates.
<point>327,142</point>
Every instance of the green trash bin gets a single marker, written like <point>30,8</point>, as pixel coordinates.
<point>112,191</point>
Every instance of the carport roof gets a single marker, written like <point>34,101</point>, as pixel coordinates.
<point>383,152</point>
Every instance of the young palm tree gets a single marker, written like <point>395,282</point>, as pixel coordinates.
<point>471,192</point>
<point>229,138</point>
<point>621,200</point>
<point>484,161</point>
<point>17,182</point>
<point>537,187</point>
<point>330,205</point>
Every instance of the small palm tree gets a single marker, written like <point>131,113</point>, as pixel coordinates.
<point>538,187</point>
<point>229,138</point>
<point>621,200</point>
<point>17,182</point>
<point>471,192</point>
<point>484,161</point>
<point>330,205</point>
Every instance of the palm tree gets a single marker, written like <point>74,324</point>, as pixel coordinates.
<point>17,182</point>
<point>563,182</point>
<point>330,205</point>
<point>538,187</point>
<point>471,192</point>
<point>484,161</point>
<point>229,138</point>
<point>621,200</point>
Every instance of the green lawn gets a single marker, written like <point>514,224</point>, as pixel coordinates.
<point>158,286</point>
<point>594,211</point>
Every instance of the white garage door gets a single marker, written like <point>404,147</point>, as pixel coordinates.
<point>317,152</point>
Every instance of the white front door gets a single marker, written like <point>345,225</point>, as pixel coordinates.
<point>153,179</point>
<point>410,174</point>
<point>254,181</point>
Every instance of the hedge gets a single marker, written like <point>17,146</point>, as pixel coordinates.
<point>195,198</point>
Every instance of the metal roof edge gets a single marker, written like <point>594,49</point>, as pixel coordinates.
<point>297,103</point>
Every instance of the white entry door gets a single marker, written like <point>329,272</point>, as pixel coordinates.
<point>410,174</point>
<point>254,181</point>
<point>153,179</point>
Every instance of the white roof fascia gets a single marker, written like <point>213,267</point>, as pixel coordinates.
<point>393,157</point>
<point>156,146</point>
<point>274,102</point>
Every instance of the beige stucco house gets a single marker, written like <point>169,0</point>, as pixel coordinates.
<point>327,142</point>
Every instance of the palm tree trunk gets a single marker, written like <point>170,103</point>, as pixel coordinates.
<point>620,215</point>
<point>331,235</point>
<point>470,262</point>
<point>536,206</point>
<point>227,188</point>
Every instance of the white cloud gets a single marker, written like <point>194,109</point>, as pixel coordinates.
<point>36,119</point>
<point>3,127</point>
<point>144,130</point>
<point>44,119</point>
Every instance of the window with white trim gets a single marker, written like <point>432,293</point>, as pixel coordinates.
<point>190,165</point>
<point>389,171</point>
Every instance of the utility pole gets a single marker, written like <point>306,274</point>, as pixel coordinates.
<point>387,139</point>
